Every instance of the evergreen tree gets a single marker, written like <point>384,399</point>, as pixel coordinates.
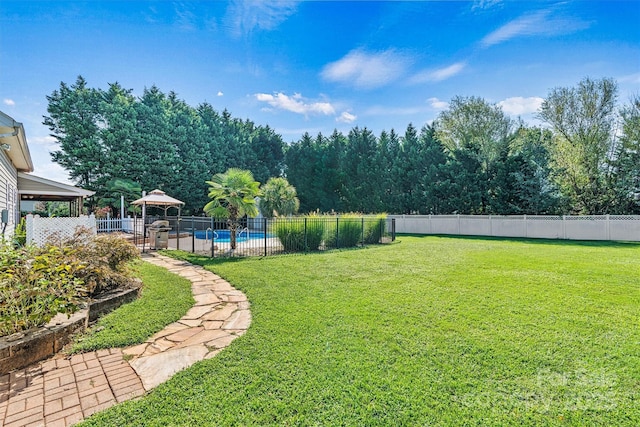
<point>74,119</point>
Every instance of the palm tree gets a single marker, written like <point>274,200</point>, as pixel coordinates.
<point>121,187</point>
<point>233,196</point>
<point>278,198</point>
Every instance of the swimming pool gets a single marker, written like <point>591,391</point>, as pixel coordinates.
<point>225,235</point>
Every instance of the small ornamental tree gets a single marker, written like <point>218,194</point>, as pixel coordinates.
<point>278,198</point>
<point>233,196</point>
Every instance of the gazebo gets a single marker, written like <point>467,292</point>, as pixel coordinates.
<point>158,198</point>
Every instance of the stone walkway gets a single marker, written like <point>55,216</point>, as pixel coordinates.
<point>64,390</point>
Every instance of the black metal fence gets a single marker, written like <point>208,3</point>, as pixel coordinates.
<point>265,236</point>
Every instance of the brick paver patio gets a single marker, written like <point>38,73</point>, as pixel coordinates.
<point>64,390</point>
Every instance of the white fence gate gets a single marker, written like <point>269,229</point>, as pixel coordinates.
<point>592,227</point>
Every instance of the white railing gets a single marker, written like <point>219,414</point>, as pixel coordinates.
<point>592,227</point>
<point>108,225</point>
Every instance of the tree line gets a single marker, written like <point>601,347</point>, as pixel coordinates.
<point>473,159</point>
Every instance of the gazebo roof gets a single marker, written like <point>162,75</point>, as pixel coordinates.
<point>158,198</point>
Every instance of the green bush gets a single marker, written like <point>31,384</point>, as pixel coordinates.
<point>375,228</point>
<point>106,258</point>
<point>300,234</point>
<point>36,284</point>
<point>20,234</point>
<point>345,232</point>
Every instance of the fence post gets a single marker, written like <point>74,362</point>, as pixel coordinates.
<point>608,228</point>
<point>362,234</point>
<point>526,228</point>
<point>458,215</point>
<point>265,234</point>
<point>306,243</point>
<point>178,232</point>
<point>393,229</point>
<point>490,226</point>
<point>337,232</point>
<point>213,238</point>
<point>564,227</point>
<point>193,234</point>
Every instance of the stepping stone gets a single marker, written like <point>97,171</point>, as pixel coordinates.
<point>240,319</point>
<point>156,369</point>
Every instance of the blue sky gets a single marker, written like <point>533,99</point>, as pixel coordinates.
<point>313,66</point>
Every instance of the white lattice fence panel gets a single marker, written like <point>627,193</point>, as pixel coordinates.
<point>39,230</point>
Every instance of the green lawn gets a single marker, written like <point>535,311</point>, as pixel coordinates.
<point>426,331</point>
<point>165,298</point>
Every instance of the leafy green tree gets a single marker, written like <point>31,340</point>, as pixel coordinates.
<point>474,125</point>
<point>582,119</point>
<point>303,159</point>
<point>390,171</point>
<point>74,119</point>
<point>118,187</point>
<point>268,151</point>
<point>278,198</point>
<point>193,160</point>
<point>477,134</point>
<point>233,196</point>
<point>409,165</point>
<point>627,163</point>
<point>361,191</point>
<point>433,181</point>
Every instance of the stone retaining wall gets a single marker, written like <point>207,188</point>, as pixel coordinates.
<point>18,351</point>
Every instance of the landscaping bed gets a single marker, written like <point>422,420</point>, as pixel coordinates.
<point>21,349</point>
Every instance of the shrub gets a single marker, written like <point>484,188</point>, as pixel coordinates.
<point>20,234</point>
<point>36,284</point>
<point>300,234</point>
<point>375,228</point>
<point>346,232</point>
<point>106,259</point>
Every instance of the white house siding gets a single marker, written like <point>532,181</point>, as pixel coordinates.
<point>8,193</point>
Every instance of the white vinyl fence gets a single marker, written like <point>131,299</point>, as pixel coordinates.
<point>593,227</point>
<point>39,230</point>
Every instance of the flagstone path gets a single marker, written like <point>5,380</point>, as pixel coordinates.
<point>64,390</point>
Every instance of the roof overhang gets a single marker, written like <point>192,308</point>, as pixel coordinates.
<point>14,142</point>
<point>31,187</point>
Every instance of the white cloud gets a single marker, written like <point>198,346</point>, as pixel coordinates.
<point>630,78</point>
<point>517,105</point>
<point>539,23</point>
<point>47,142</point>
<point>437,104</point>
<point>439,74</point>
<point>295,104</point>
<point>186,20</point>
<point>245,16</point>
<point>346,117</point>
<point>367,70</point>
<point>485,4</point>
<point>378,110</point>
<point>8,101</point>
<point>220,93</point>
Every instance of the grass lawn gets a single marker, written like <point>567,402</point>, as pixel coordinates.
<point>426,331</point>
<point>165,298</point>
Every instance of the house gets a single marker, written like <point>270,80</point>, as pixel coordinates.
<point>14,158</point>
<point>17,184</point>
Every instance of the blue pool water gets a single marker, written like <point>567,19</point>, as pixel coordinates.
<point>225,235</point>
